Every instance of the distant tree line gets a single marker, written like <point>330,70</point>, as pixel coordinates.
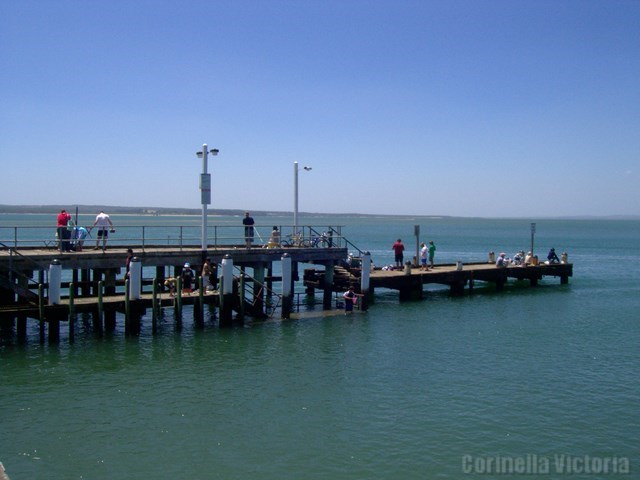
<point>114,210</point>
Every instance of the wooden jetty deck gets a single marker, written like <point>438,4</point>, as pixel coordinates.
<point>411,286</point>
<point>409,283</point>
<point>95,281</point>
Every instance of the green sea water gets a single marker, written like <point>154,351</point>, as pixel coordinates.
<point>544,378</point>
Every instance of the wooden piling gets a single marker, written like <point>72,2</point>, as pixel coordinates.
<point>155,307</point>
<point>127,309</point>
<point>41,301</point>
<point>72,311</point>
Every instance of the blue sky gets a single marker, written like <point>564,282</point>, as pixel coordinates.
<point>466,108</point>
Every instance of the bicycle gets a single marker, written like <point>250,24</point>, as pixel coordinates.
<point>295,241</point>
<point>321,241</point>
<point>301,242</point>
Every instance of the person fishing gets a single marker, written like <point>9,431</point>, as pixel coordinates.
<point>350,299</point>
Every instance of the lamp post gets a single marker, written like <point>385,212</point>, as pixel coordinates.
<point>533,232</point>
<point>205,189</point>
<point>295,196</point>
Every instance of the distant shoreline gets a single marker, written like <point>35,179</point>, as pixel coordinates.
<point>166,212</point>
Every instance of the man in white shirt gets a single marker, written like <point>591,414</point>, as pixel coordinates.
<point>103,222</point>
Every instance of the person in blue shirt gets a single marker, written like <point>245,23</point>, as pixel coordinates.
<point>79,235</point>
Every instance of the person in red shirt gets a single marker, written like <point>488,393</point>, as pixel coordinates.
<point>398,249</point>
<point>64,234</point>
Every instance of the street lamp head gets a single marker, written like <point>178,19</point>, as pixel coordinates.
<point>307,168</point>
<point>213,151</point>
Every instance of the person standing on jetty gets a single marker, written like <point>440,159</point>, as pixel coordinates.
<point>187,277</point>
<point>64,234</point>
<point>127,263</point>
<point>350,299</point>
<point>398,249</point>
<point>207,273</point>
<point>432,252</point>
<point>104,224</point>
<point>423,256</point>
<point>248,223</point>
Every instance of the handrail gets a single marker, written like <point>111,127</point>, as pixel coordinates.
<point>142,236</point>
<point>14,274</point>
<point>262,287</point>
<point>347,241</point>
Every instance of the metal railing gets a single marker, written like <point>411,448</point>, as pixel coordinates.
<point>172,236</point>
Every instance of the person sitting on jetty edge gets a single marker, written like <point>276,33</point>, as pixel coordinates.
<point>502,261</point>
<point>552,257</point>
<point>274,239</point>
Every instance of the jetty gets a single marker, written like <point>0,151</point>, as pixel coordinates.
<point>42,284</point>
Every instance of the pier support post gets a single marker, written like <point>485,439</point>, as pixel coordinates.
<point>258,290</point>
<point>99,321</point>
<point>127,307</point>
<point>287,292</point>
<point>364,281</point>
<point>74,279</point>
<point>40,313</point>
<point>55,280</point>
<point>457,288</point>
<point>72,310</point>
<point>198,308</point>
<point>226,293</point>
<point>411,288</point>
<point>327,294</point>
<point>155,307</point>
<point>85,289</point>
<point>54,330</point>
<point>7,297</point>
<point>110,281</point>
<point>135,279</point>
